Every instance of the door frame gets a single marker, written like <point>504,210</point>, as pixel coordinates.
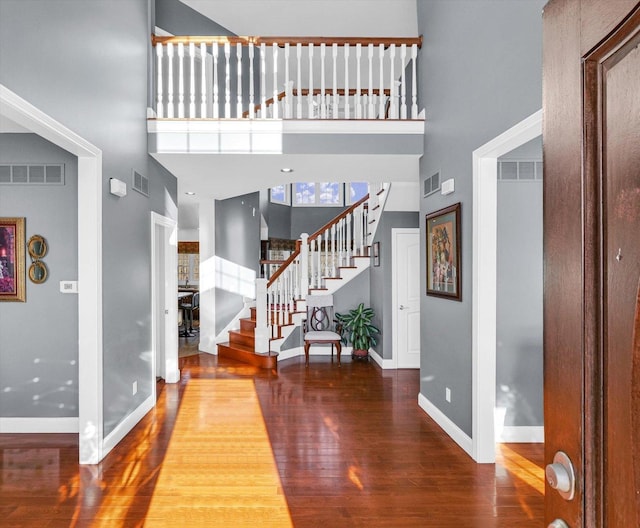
<point>90,188</point>
<point>394,285</point>
<point>484,280</point>
<point>170,263</point>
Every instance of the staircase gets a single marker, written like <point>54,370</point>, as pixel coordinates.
<point>322,263</point>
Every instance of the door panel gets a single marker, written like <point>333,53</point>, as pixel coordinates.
<point>591,137</point>
<point>407,277</point>
<point>620,86</point>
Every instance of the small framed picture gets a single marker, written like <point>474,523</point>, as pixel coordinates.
<point>376,254</point>
<point>443,253</point>
<point>12,260</point>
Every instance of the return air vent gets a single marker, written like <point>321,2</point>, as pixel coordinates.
<point>32,174</point>
<point>140,183</point>
<point>431,184</point>
<point>519,170</point>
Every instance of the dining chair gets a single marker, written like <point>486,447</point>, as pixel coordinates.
<point>319,327</point>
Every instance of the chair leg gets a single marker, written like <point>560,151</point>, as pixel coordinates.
<point>306,353</point>
<point>339,349</point>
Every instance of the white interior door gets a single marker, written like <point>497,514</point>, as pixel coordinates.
<point>406,296</point>
<point>160,306</point>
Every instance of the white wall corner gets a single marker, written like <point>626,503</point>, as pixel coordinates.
<point>382,363</point>
<point>126,425</point>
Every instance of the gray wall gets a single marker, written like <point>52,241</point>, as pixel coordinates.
<point>479,73</point>
<point>310,219</point>
<point>381,287</point>
<point>26,354</point>
<point>238,241</point>
<point>519,335</point>
<point>88,70</point>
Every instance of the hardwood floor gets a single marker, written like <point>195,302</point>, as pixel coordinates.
<point>350,444</point>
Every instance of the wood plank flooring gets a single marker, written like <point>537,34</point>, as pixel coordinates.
<point>350,444</point>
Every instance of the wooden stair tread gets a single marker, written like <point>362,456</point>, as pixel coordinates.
<point>332,278</point>
<point>247,354</point>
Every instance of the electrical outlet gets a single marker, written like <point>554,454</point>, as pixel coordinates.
<point>447,394</point>
<point>134,389</point>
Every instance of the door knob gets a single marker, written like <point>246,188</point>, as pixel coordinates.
<point>561,475</point>
<point>401,307</point>
<point>558,523</point>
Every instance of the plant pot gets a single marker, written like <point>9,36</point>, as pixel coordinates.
<point>358,353</point>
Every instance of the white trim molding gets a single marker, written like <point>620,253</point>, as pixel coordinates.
<point>485,167</point>
<point>457,435</point>
<point>90,342</point>
<point>125,426</point>
<point>384,364</point>
<point>39,425</point>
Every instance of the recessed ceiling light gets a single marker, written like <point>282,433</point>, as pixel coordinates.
<point>286,169</point>
<point>190,193</point>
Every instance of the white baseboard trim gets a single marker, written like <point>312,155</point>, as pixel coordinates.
<point>313,351</point>
<point>125,426</point>
<point>39,425</point>
<point>457,435</point>
<point>521,434</point>
<point>384,364</point>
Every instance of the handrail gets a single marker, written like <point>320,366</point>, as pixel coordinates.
<point>315,235</point>
<point>317,91</point>
<point>305,41</point>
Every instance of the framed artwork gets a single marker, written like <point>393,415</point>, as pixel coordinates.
<point>12,259</point>
<point>376,254</point>
<point>443,253</point>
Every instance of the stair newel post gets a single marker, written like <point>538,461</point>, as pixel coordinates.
<point>370,108</point>
<point>403,87</point>
<point>263,80</point>
<point>414,82</point>
<point>262,321</point>
<point>239,90</point>
<point>227,80</point>
<point>275,113</point>
<point>347,109</point>
<point>304,266</point>
<point>180,80</point>
<point>170,81</point>
<point>216,87</point>
<point>358,81</point>
<point>381,82</point>
<point>251,94</point>
<point>159,102</point>
<point>192,80</point>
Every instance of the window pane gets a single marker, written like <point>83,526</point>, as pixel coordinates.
<point>305,193</point>
<point>330,194</point>
<point>279,194</point>
<point>357,191</point>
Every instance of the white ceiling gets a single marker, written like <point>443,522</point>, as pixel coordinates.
<point>313,18</point>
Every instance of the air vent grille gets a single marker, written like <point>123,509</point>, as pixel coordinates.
<point>140,183</point>
<point>32,174</point>
<point>519,170</point>
<point>432,184</point>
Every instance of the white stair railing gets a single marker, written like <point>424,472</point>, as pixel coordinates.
<point>185,76</point>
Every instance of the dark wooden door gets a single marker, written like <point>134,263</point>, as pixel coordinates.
<point>592,257</point>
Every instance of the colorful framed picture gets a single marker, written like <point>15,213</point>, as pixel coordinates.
<point>12,260</point>
<point>443,253</point>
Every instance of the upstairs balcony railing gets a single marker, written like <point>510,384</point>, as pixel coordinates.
<point>286,78</point>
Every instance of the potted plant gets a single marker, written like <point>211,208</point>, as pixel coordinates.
<point>358,329</point>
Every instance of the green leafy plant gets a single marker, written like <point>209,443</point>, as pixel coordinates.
<point>357,327</point>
